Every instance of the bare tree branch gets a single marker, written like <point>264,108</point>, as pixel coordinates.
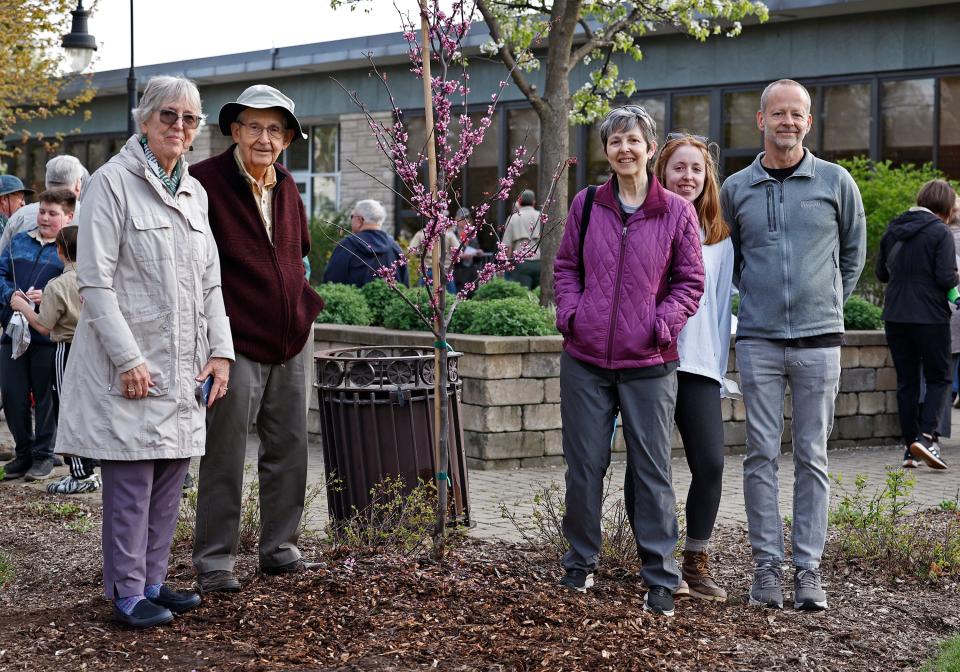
<point>508,57</point>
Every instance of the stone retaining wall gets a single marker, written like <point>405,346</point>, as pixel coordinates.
<point>511,394</point>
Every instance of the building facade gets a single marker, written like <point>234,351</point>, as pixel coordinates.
<point>884,76</point>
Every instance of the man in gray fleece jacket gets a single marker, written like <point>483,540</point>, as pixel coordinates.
<point>799,237</point>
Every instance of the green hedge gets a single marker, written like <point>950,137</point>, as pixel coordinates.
<point>498,288</point>
<point>343,304</point>
<point>861,315</point>
<point>518,314</point>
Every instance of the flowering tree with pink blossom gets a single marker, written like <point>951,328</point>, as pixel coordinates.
<point>451,138</point>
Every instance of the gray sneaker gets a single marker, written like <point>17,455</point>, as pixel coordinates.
<point>766,590</point>
<point>807,590</point>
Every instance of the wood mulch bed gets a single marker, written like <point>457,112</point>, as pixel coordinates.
<point>489,606</point>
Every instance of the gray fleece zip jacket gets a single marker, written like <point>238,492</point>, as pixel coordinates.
<point>799,247</point>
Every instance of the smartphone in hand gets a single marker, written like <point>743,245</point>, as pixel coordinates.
<point>203,390</point>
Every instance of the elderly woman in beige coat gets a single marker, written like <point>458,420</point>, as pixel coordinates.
<point>151,330</point>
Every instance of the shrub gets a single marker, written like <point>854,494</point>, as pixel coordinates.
<point>344,304</point>
<point>887,191</point>
<point>511,317</point>
<point>879,530</point>
<point>498,288</point>
<point>378,295</point>
<point>735,304</point>
<point>398,315</point>
<point>464,317</point>
<point>860,314</point>
<point>398,519</point>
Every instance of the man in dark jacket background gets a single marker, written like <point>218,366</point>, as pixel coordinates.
<point>357,257</point>
<point>260,225</point>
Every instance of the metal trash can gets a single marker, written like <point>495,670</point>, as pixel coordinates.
<point>377,410</point>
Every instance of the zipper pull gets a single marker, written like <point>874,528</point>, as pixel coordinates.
<point>624,234</point>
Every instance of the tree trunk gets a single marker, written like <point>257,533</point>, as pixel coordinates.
<point>555,129</point>
<point>555,133</point>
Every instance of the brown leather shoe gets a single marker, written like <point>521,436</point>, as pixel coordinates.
<point>297,566</point>
<point>218,581</point>
<point>696,572</point>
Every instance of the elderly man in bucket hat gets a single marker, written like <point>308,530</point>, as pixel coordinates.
<point>259,222</point>
<point>12,193</point>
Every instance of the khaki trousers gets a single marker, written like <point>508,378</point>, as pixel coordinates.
<point>275,397</point>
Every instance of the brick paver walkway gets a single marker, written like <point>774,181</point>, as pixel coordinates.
<point>516,488</point>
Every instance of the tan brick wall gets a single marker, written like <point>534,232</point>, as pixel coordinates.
<point>363,166</point>
<point>511,394</point>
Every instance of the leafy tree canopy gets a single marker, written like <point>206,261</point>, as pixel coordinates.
<point>32,81</point>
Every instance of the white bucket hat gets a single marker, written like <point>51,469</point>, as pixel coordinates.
<point>260,97</point>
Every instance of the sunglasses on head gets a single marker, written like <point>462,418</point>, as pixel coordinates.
<point>170,117</point>
<point>680,135</point>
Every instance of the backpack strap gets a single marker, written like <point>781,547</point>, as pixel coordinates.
<point>584,223</point>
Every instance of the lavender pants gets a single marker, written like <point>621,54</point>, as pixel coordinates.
<point>141,499</point>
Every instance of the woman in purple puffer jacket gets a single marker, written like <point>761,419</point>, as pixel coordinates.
<point>624,291</point>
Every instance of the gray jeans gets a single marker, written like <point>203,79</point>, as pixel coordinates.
<point>589,400</point>
<point>766,368</point>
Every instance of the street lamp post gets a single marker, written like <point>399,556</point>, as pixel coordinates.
<point>78,43</point>
<point>131,83</point>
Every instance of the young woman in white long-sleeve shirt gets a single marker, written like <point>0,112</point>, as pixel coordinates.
<point>686,168</point>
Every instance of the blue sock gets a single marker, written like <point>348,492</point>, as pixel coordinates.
<point>126,604</point>
<point>152,591</point>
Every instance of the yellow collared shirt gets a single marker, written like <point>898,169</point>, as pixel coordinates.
<point>262,196</point>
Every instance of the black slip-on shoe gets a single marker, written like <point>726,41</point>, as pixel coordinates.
<point>175,601</point>
<point>578,580</point>
<point>16,468</point>
<point>145,614</point>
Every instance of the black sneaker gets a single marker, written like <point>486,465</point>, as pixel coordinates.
<point>925,448</point>
<point>909,461</point>
<point>16,468</point>
<point>578,580</point>
<point>658,600</point>
<point>40,470</point>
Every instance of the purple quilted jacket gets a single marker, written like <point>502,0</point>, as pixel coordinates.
<point>643,277</point>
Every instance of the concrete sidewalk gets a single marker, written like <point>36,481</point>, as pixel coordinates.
<point>516,488</point>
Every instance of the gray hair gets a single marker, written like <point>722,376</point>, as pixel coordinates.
<point>371,211</point>
<point>783,82</point>
<point>65,171</point>
<point>626,118</point>
<point>462,213</point>
<point>527,197</point>
<point>162,90</point>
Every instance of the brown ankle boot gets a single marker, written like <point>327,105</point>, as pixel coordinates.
<point>696,572</point>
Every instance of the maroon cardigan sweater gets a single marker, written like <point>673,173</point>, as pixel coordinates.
<point>270,304</point>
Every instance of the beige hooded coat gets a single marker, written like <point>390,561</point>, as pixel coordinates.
<point>149,276</point>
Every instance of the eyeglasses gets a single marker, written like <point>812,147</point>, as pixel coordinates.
<point>170,117</point>
<point>256,130</point>
<point>680,135</point>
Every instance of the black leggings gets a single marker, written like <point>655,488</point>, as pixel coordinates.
<point>916,347</point>
<point>700,421</point>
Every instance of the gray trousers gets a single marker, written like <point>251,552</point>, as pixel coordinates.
<point>589,400</point>
<point>813,374</point>
<point>141,500</point>
<point>273,395</point>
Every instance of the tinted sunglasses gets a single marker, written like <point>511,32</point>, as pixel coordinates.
<point>680,135</point>
<point>170,117</point>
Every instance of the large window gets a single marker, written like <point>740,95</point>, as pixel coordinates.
<point>691,114</point>
<point>315,164</point>
<point>523,128</point>
<point>740,120</point>
<point>906,108</point>
<point>846,121</point>
<point>949,156</point>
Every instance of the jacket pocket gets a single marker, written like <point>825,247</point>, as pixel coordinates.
<point>154,336</point>
<point>152,238</point>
